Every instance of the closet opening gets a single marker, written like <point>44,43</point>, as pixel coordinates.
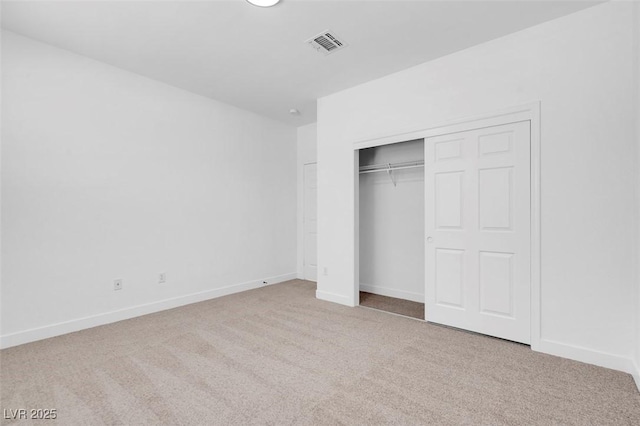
<point>391,228</point>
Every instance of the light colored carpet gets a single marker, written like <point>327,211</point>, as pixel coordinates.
<point>277,355</point>
<point>404,307</point>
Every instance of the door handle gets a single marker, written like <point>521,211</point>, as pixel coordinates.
<point>429,240</point>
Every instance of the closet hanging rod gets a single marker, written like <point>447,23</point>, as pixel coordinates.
<point>391,166</point>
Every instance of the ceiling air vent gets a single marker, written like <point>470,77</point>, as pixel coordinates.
<point>327,42</point>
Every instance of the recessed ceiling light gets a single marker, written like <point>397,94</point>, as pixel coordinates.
<point>263,3</point>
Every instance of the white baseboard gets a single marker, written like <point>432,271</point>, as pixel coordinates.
<point>335,298</point>
<point>39,333</point>
<point>636,375</point>
<point>392,292</point>
<point>590,356</point>
<point>301,276</point>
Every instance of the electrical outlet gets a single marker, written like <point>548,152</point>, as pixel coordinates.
<point>117,284</point>
<point>325,271</point>
<point>162,277</point>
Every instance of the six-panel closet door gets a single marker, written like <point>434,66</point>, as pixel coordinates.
<point>477,212</point>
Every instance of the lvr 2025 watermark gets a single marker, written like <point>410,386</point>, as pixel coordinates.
<point>30,414</point>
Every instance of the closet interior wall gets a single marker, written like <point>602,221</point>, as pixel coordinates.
<point>392,222</point>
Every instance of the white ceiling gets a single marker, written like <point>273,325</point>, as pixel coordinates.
<point>256,58</point>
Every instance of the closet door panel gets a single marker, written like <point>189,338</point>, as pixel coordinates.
<point>477,222</point>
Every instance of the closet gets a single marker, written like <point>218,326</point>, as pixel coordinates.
<point>449,220</point>
<point>391,228</point>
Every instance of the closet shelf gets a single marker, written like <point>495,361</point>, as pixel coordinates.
<point>391,166</point>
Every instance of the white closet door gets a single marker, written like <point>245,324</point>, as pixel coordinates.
<point>477,211</point>
<point>310,222</point>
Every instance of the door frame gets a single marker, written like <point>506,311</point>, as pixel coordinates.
<point>304,255</point>
<point>527,112</point>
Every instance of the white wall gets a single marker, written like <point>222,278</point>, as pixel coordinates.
<point>306,154</point>
<point>580,68</point>
<point>637,309</point>
<point>107,174</point>
<point>1,161</point>
<point>392,223</point>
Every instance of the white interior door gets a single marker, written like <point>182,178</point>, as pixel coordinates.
<point>477,211</point>
<point>310,222</point>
